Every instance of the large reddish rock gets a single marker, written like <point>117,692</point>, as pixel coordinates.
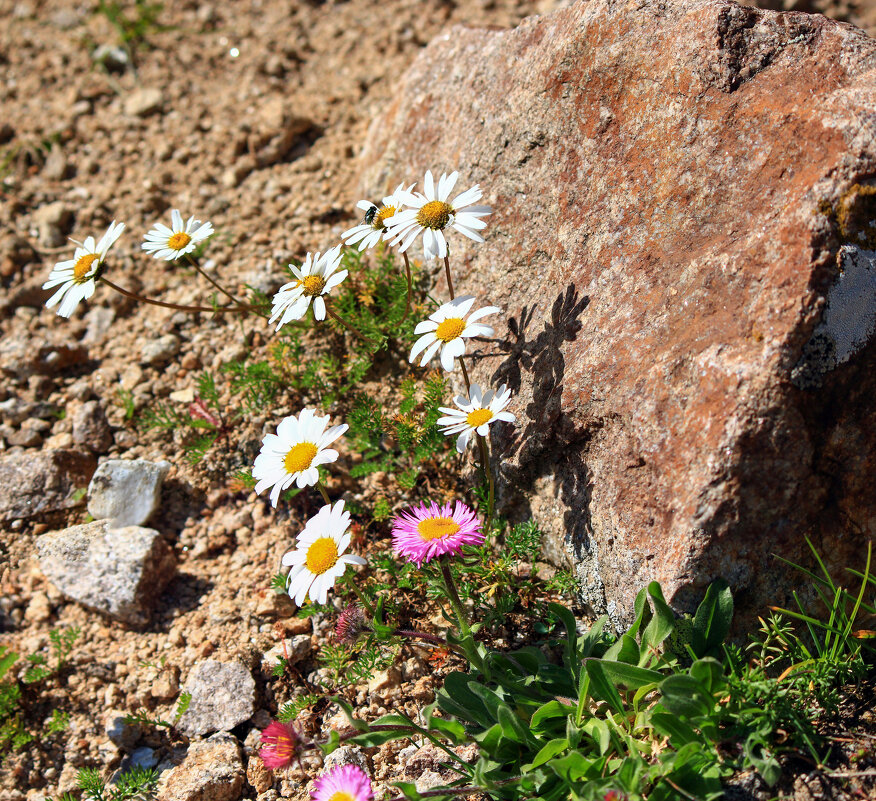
<point>684,244</point>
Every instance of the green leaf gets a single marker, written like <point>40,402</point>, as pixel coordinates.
<point>685,696</point>
<point>678,732</point>
<point>7,660</point>
<point>549,711</point>
<point>757,753</point>
<point>630,676</point>
<point>660,626</point>
<point>568,620</point>
<point>453,730</point>
<point>599,732</point>
<point>601,686</point>
<point>711,623</point>
<point>359,725</point>
<point>408,790</point>
<point>589,642</point>
<point>546,753</point>
<point>626,649</point>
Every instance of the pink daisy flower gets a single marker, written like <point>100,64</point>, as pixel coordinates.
<point>343,783</point>
<point>424,532</point>
<point>279,745</point>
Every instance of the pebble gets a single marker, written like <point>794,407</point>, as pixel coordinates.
<point>118,572</point>
<point>159,351</point>
<point>297,649</point>
<point>37,483</point>
<point>126,491</point>
<point>120,732</point>
<point>143,102</point>
<point>91,429</point>
<point>53,223</point>
<point>39,610</point>
<point>346,755</point>
<point>212,770</point>
<point>223,696</point>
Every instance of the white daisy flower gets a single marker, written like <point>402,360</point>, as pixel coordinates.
<point>181,238</point>
<point>315,278</point>
<point>77,276</point>
<point>448,328</point>
<point>475,413</point>
<point>318,559</point>
<point>431,213</point>
<point>373,229</point>
<point>294,453</point>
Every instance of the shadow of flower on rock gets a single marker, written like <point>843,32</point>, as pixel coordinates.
<point>543,358</point>
<point>545,443</point>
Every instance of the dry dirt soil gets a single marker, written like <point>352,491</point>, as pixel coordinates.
<point>247,113</point>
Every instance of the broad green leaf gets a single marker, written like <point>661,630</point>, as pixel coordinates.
<point>601,686</point>
<point>684,695</point>
<point>599,732</point>
<point>660,626</point>
<point>408,790</point>
<point>568,620</point>
<point>626,649</point>
<point>548,752</point>
<point>711,623</point>
<point>587,642</point>
<point>679,732</point>
<point>630,676</point>
<point>453,730</point>
<point>549,711</point>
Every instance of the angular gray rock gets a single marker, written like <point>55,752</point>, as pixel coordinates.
<point>211,771</point>
<point>158,351</point>
<point>34,484</point>
<point>223,695</point>
<point>126,491</point>
<point>117,571</point>
<point>682,242</point>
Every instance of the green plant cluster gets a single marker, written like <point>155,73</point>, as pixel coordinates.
<point>135,784</point>
<point>666,710</point>
<point>13,733</point>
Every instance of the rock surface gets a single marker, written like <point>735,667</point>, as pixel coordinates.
<point>117,571</point>
<point>212,771</point>
<point>126,492</point>
<point>678,188</point>
<point>223,695</point>
<point>34,484</point>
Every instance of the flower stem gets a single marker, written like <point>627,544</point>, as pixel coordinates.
<point>449,279</point>
<point>348,580</point>
<point>177,306</point>
<point>485,463</point>
<point>422,635</point>
<point>410,286</point>
<point>485,458</point>
<point>465,376</point>
<point>213,281</point>
<point>331,313</point>
<point>453,595</point>
<point>322,491</point>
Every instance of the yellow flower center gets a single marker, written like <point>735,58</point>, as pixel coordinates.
<point>386,212</point>
<point>478,417</point>
<point>299,457</point>
<point>434,528</point>
<point>82,266</point>
<point>340,795</point>
<point>313,284</point>
<point>179,241</point>
<point>451,328</point>
<point>322,555</point>
<point>435,214</point>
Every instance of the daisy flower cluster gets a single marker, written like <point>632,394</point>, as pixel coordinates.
<point>76,278</point>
